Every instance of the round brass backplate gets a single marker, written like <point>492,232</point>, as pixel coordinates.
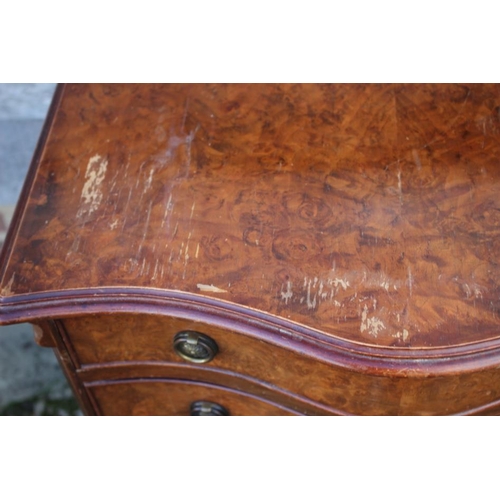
<point>195,347</point>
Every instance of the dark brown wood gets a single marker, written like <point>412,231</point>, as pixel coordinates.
<point>50,331</point>
<point>44,336</point>
<point>352,229</point>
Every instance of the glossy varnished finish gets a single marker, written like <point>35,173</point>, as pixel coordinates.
<point>114,346</point>
<point>107,373</point>
<point>354,226</point>
<point>174,398</point>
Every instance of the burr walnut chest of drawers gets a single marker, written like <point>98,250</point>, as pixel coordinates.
<point>265,249</point>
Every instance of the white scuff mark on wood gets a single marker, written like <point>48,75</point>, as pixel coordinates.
<point>197,251</point>
<point>186,256</point>
<point>149,180</point>
<point>286,296</point>
<point>168,210</point>
<point>192,211</point>
<point>7,290</point>
<point>373,325</point>
<point>472,290</point>
<point>114,224</point>
<point>402,335</point>
<point>410,281</point>
<point>400,188</point>
<point>311,304</point>
<point>209,288</point>
<point>340,282</point>
<point>138,177</point>
<point>91,195</point>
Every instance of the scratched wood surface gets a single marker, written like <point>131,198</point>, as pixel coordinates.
<point>369,212</point>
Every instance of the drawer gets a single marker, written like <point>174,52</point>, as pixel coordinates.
<point>101,340</point>
<point>143,344</point>
<point>213,376</point>
<point>176,398</point>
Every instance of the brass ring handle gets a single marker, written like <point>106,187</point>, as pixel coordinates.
<point>195,347</point>
<point>208,409</point>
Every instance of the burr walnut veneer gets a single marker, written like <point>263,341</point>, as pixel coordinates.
<point>265,249</point>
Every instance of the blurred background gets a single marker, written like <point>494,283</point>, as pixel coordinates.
<point>31,381</point>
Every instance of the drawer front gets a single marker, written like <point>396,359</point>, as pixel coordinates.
<point>141,338</point>
<point>101,339</point>
<point>176,398</point>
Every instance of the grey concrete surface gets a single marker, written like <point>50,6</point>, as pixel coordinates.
<point>26,370</point>
<point>23,107</point>
<point>18,138</point>
<point>25,101</point>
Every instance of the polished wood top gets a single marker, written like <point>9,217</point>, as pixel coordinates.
<point>368,212</point>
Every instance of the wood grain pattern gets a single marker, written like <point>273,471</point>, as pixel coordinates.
<point>342,234</point>
<point>131,371</point>
<point>118,346</point>
<point>368,212</point>
<point>174,397</point>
